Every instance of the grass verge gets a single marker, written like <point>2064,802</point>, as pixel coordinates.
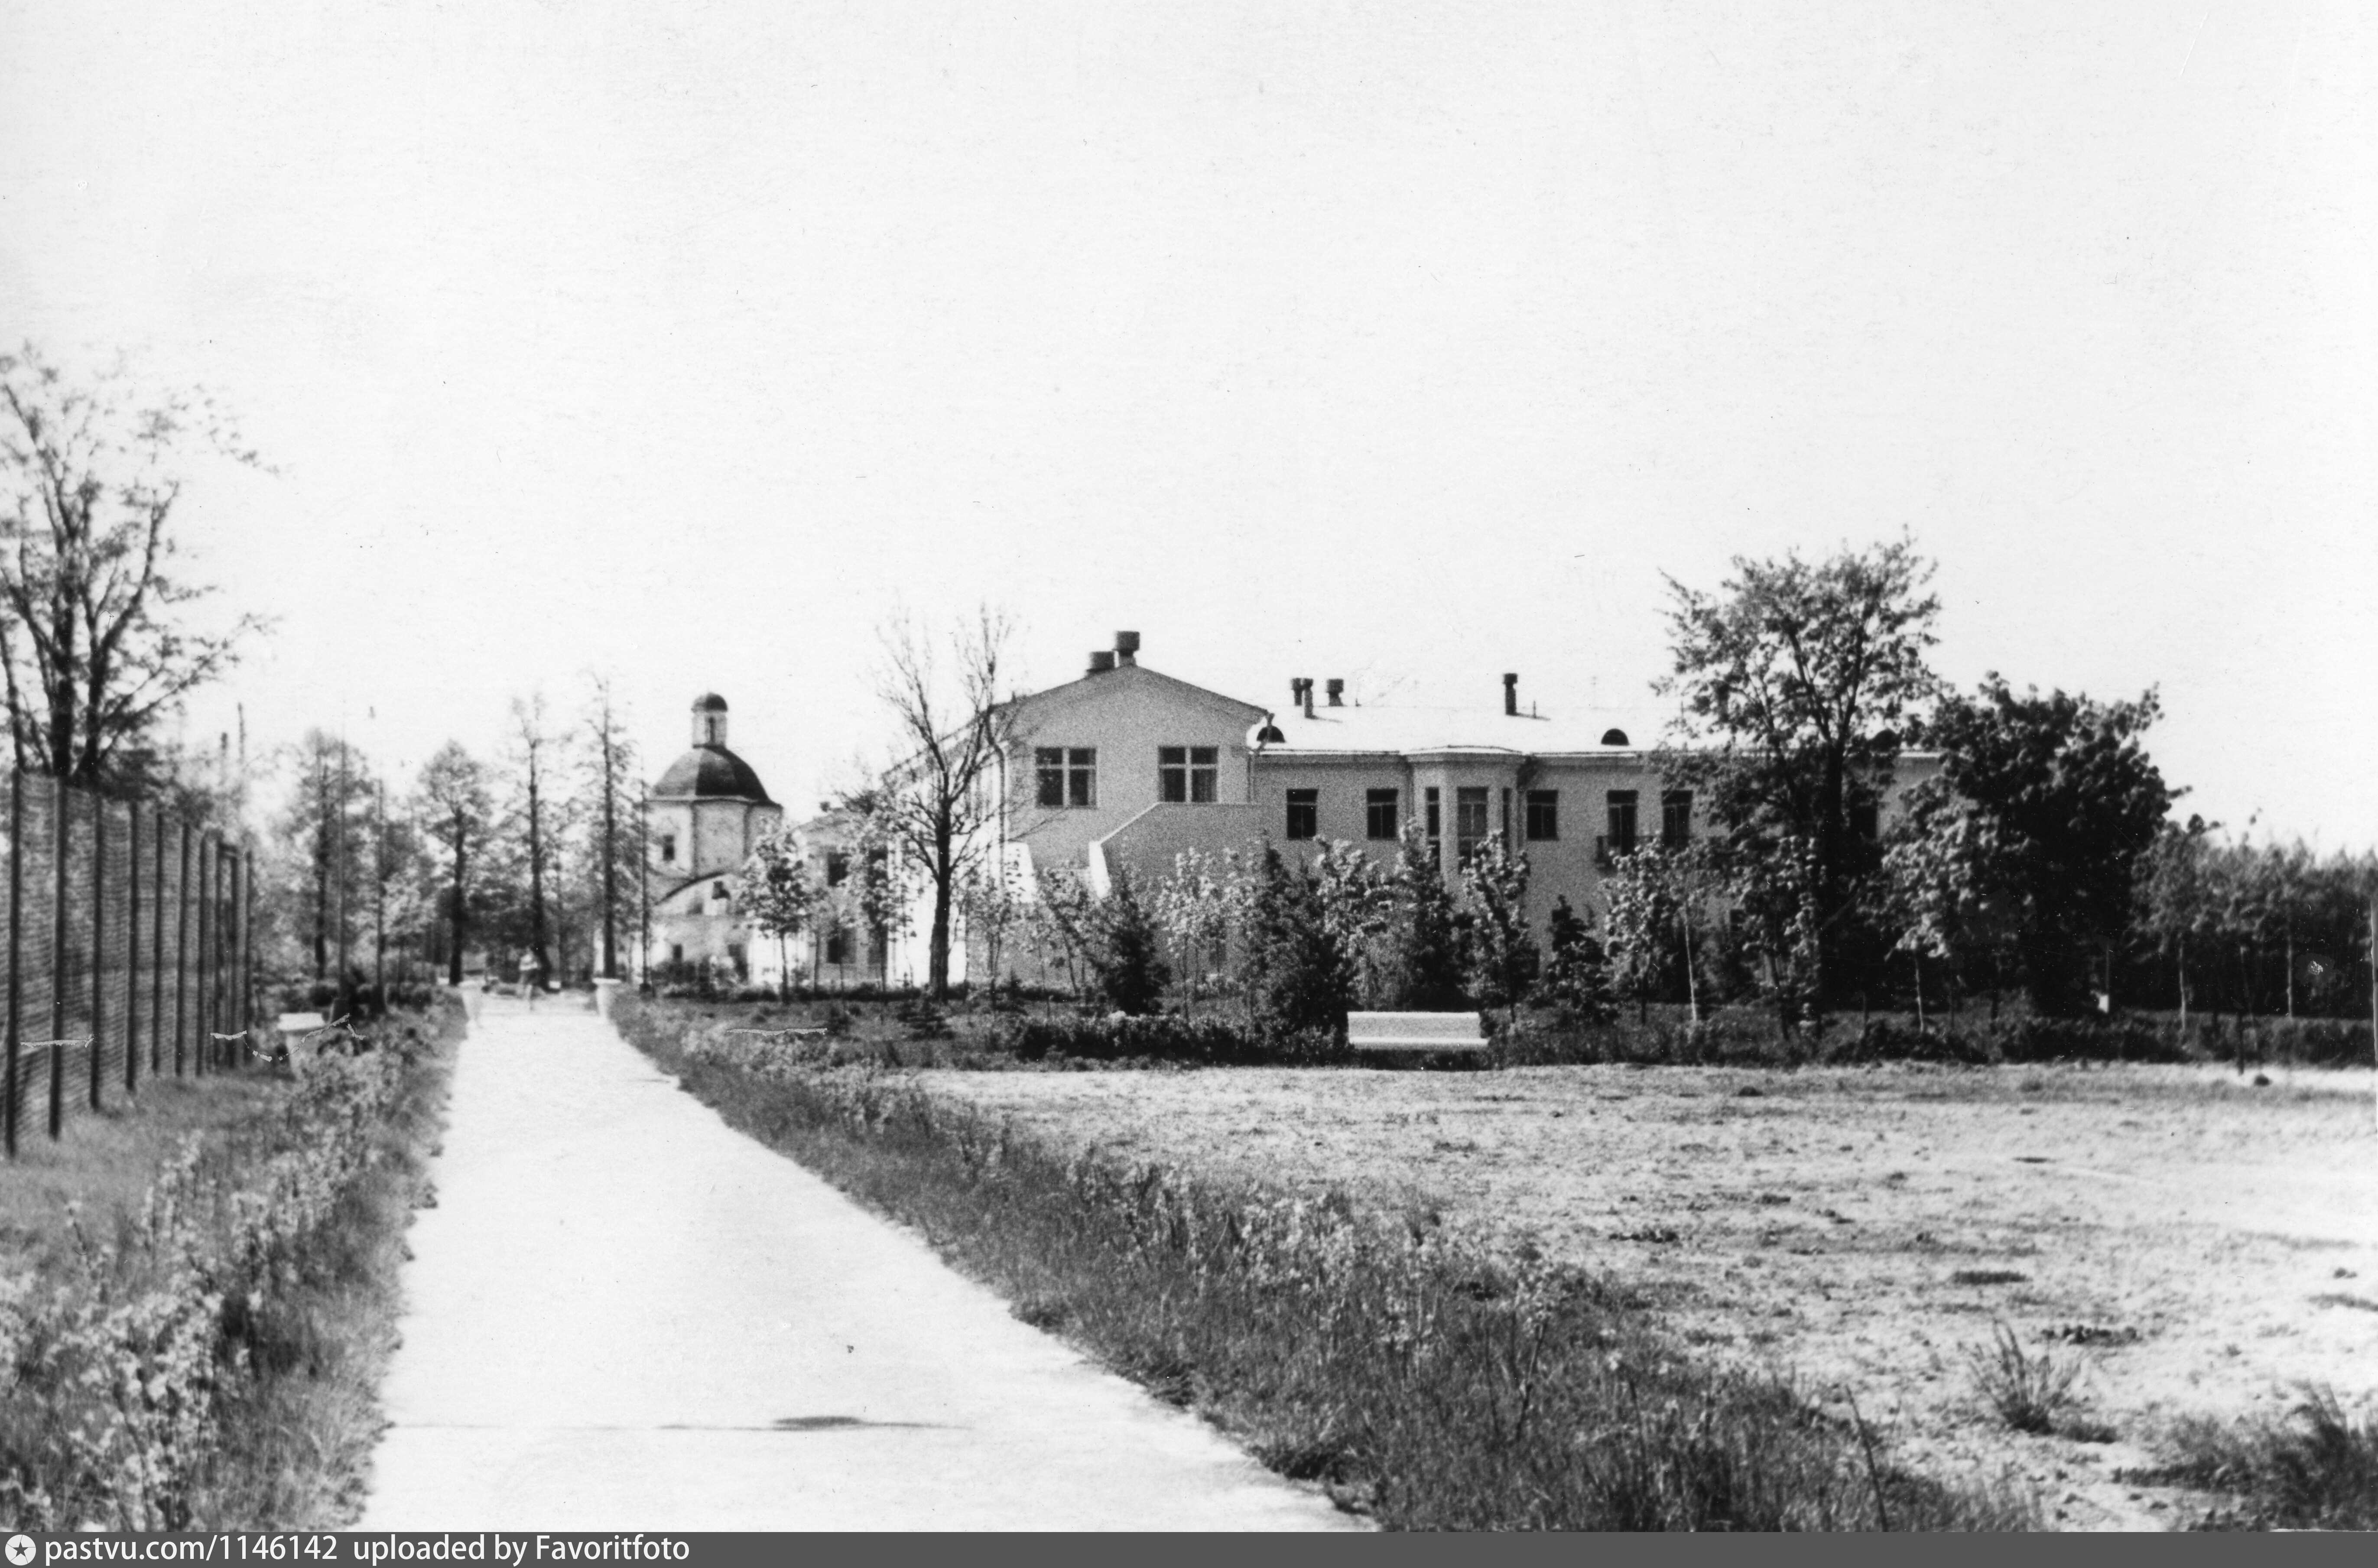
<point>208,1357</point>
<point>1422,1378</point>
<point>2314,1469</point>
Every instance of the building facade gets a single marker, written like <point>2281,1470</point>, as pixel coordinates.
<point>1124,767</point>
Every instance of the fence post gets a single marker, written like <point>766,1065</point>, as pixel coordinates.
<point>248,947</point>
<point>205,1040</point>
<point>156,954</point>
<point>58,842</point>
<point>97,935</point>
<point>182,950</point>
<point>16,950</point>
<point>132,947</point>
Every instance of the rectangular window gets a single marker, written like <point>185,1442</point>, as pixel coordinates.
<point>1435,819</point>
<point>1469,821</point>
<point>1677,819</point>
<point>1187,774</point>
<point>1866,820</point>
<point>837,946</point>
<point>1082,776</point>
<point>1543,815</point>
<point>837,867</point>
<point>1048,762</point>
<point>1380,814</point>
<point>1621,817</point>
<point>1304,813</point>
<point>668,849</point>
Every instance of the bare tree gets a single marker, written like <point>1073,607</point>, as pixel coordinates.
<point>533,750</point>
<point>617,836</point>
<point>937,800</point>
<point>92,651</point>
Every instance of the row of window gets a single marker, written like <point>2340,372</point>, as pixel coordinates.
<point>1540,823</point>
<point>1068,775</point>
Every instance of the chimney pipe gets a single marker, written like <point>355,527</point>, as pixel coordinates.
<point>1304,693</point>
<point>1511,695</point>
<point>1337,689</point>
<point>1101,661</point>
<point>1126,648</point>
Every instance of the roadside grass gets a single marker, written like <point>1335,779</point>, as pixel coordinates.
<point>2314,1469</point>
<point>2031,1392</point>
<point>1419,1377</point>
<point>106,1161</point>
<point>204,1353</point>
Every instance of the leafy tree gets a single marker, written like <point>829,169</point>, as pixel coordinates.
<point>772,890</point>
<point>1195,905</point>
<point>1295,971</point>
<point>538,819</point>
<point>1649,897</point>
<point>327,827</point>
<point>877,884</point>
<point>1502,954</point>
<point>1932,902</point>
<point>992,906</point>
<point>95,646</point>
<point>1779,899</point>
<point>1357,905</point>
<point>1059,922</point>
<point>1128,949</point>
<point>1576,977</point>
<point>1795,681</point>
<point>1423,937</point>
<point>936,800</point>
<point>2069,801</point>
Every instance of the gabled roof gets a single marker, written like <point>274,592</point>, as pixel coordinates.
<point>1035,707</point>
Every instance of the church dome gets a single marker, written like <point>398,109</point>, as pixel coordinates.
<point>710,771</point>
<point>713,772</point>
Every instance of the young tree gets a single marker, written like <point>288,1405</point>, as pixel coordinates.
<point>773,889</point>
<point>938,799</point>
<point>95,643</point>
<point>879,882</point>
<point>1128,949</point>
<point>1295,971</point>
<point>992,906</point>
<point>1795,682</point>
<point>1932,902</point>
<point>1576,978</point>
<point>1643,910</point>
<point>1357,902</point>
<point>2071,802</point>
<point>1503,956</point>
<point>1422,939</point>
<point>1060,919</point>
<point>1195,905</point>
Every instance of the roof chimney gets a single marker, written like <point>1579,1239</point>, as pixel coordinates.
<point>1337,689</point>
<point>1126,647</point>
<point>1100,662</point>
<point>1303,687</point>
<point>1511,695</point>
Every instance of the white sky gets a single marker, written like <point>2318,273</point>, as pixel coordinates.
<point>1406,343</point>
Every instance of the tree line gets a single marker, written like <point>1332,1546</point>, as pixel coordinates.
<point>533,858</point>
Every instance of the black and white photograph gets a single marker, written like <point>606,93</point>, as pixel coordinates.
<point>785,767</point>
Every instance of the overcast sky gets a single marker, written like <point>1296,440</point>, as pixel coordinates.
<point>1406,343</point>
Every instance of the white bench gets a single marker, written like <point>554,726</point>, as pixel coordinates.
<point>1460,1033</point>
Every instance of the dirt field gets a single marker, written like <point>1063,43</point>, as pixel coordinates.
<point>2210,1244</point>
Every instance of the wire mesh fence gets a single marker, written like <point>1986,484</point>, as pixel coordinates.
<point>126,956</point>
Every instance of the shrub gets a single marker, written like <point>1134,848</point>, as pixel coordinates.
<point>1126,950</point>
<point>2030,1393</point>
<point>1202,1041</point>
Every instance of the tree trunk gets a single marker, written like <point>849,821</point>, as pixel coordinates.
<point>1918,957</point>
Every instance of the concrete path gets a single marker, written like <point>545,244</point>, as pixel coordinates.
<point>623,1315</point>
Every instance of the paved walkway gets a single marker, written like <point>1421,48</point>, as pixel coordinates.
<point>623,1315</point>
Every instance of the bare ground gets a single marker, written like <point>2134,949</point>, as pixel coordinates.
<point>2206,1245</point>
